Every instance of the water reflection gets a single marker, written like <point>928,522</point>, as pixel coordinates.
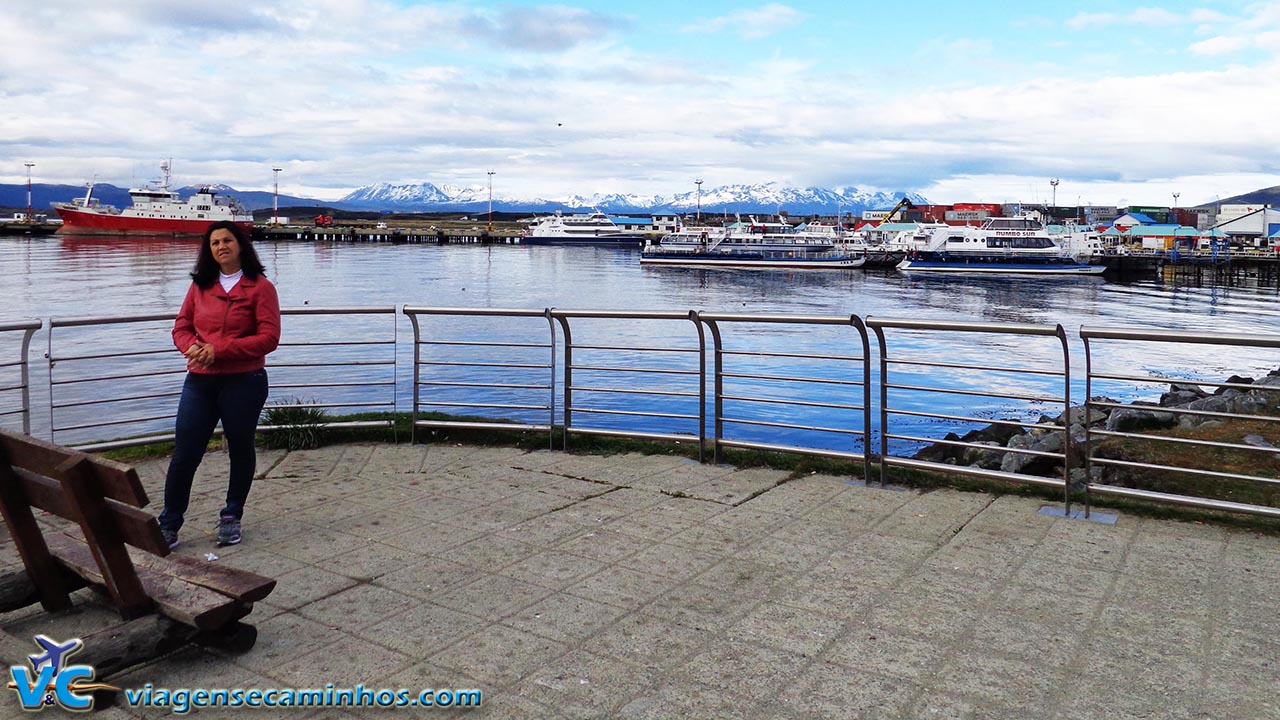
<point>74,277</point>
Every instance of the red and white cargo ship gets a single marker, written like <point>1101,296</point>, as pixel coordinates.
<point>155,211</point>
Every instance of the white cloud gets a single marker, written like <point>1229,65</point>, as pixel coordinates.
<point>1143,16</point>
<point>403,94</point>
<point>752,23</point>
<point>547,28</point>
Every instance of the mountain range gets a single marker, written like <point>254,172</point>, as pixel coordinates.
<point>766,198</point>
<point>427,197</point>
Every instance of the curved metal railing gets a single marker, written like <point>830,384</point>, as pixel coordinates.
<point>15,376</point>
<point>1170,424</point>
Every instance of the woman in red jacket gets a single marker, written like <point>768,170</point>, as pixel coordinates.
<point>228,323</point>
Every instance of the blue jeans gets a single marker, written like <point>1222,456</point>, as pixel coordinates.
<point>236,399</point>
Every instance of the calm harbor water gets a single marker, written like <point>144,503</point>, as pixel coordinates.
<point>55,277</point>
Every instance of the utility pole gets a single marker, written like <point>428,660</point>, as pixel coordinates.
<point>30,217</point>
<point>275,198</point>
<point>490,200</point>
<point>698,182</point>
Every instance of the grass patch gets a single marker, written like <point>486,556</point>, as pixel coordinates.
<point>1258,463</point>
<point>295,427</point>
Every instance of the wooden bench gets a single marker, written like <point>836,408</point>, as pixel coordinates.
<point>115,547</point>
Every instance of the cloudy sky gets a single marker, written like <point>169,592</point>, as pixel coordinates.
<point>1123,102</point>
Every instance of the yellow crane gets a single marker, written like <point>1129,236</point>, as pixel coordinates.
<point>903,203</point>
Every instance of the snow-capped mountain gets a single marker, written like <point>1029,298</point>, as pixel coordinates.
<point>760,198</point>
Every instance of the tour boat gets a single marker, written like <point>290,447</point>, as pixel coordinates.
<point>1018,245</point>
<point>593,228</point>
<point>750,246</point>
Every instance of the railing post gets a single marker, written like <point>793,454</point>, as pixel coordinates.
<point>718,393</point>
<point>866,397</point>
<point>884,403</point>
<point>417,350</point>
<point>551,382</point>
<point>702,385</point>
<point>1088,433</point>
<point>1067,455</point>
<point>568,379</point>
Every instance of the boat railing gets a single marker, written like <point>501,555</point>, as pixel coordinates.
<point>786,383</point>
<point>15,376</point>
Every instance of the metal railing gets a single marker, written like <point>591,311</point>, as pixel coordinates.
<point>19,387</point>
<point>1263,398</point>
<point>108,364</point>
<point>798,384</point>
<point>608,365</point>
<point>762,392</point>
<point>484,364</point>
<point>991,371</point>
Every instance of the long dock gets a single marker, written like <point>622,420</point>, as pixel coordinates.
<point>1225,267</point>
<point>435,236</point>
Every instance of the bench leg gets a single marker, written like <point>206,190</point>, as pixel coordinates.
<point>42,569</point>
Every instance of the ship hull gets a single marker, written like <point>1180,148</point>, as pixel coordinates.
<point>751,261</point>
<point>990,267</point>
<point>610,240</point>
<point>79,222</point>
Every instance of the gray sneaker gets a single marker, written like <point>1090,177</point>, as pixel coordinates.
<point>170,537</point>
<point>228,530</point>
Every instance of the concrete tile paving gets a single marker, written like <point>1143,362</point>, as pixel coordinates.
<point>579,586</point>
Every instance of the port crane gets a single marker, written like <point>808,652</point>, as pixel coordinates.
<point>903,203</point>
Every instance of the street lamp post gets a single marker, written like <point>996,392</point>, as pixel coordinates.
<point>490,200</point>
<point>29,165</point>
<point>698,182</point>
<point>275,197</point>
<point>1175,200</point>
<point>1054,183</point>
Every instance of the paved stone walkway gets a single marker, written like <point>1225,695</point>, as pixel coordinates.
<point>568,586</point>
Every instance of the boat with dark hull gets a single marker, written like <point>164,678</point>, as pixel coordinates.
<point>743,247</point>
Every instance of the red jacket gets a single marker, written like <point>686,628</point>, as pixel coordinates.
<point>243,325</point>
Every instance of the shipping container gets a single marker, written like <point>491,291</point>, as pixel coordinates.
<point>991,209</point>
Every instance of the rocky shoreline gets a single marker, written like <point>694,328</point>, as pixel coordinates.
<point>996,440</point>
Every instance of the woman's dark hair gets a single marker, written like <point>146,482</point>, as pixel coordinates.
<point>207,269</point>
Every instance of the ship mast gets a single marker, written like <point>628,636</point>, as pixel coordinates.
<point>164,168</point>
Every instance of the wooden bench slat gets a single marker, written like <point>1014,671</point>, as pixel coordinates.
<point>117,481</point>
<point>241,585</point>
<point>184,602</point>
<point>228,580</point>
<point>137,527</point>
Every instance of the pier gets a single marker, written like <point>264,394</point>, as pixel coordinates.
<point>1222,267</point>
<point>400,235</point>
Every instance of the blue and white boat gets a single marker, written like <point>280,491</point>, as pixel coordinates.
<point>1008,245</point>
<point>593,228</point>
